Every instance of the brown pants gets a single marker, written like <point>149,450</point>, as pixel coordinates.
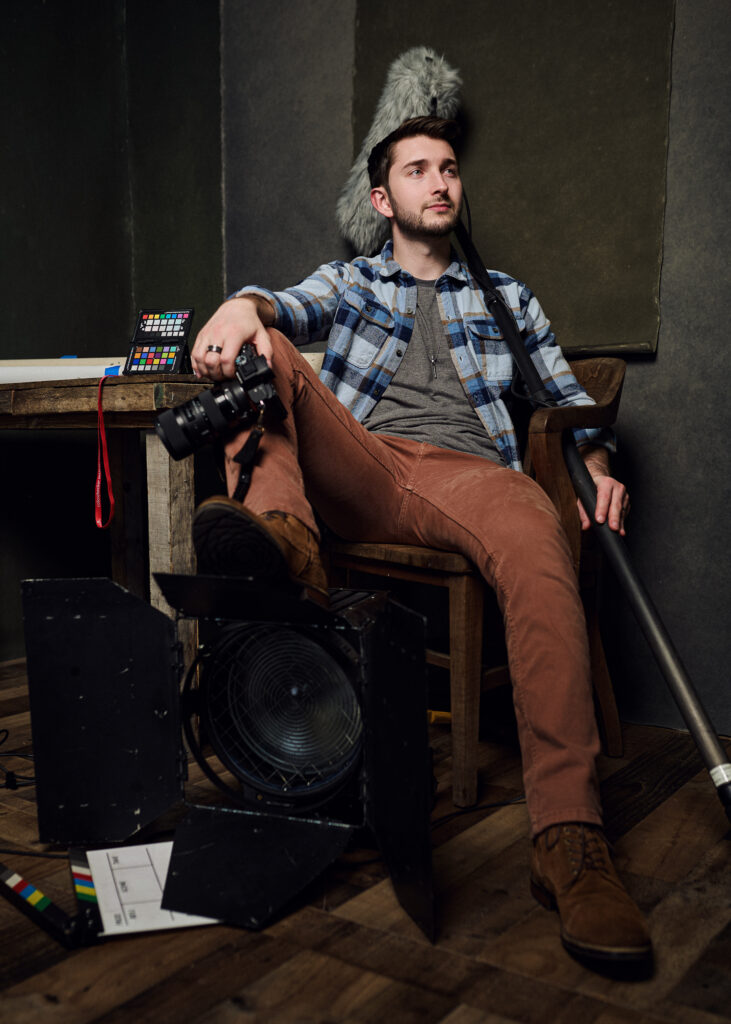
<point>372,487</point>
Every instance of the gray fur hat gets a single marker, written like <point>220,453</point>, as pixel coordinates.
<point>419,83</point>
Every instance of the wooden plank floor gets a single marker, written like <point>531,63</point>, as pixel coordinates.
<point>348,953</point>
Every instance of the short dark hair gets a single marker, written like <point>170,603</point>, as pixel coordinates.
<point>381,156</point>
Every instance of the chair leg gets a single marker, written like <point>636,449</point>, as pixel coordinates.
<point>465,655</point>
<point>610,725</point>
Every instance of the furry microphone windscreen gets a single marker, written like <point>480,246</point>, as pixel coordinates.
<point>419,83</point>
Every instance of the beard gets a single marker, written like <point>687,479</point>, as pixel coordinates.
<point>424,223</point>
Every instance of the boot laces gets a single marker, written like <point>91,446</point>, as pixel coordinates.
<point>587,851</point>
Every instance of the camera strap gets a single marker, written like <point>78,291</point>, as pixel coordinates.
<point>102,457</point>
<point>246,458</point>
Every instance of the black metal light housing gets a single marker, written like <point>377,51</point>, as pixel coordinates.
<point>318,717</point>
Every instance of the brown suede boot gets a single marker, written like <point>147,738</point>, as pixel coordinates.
<point>274,547</point>
<point>600,924</point>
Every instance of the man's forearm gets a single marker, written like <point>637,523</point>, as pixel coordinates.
<point>596,459</point>
<point>264,308</point>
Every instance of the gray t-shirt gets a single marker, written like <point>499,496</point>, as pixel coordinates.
<point>425,399</point>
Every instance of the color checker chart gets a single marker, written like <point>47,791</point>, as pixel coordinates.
<point>159,344</point>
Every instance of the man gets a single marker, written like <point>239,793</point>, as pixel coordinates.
<point>407,438</point>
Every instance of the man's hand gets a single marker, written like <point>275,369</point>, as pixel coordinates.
<point>612,499</point>
<point>220,341</point>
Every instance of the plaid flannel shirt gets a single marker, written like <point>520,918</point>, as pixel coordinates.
<point>365,310</point>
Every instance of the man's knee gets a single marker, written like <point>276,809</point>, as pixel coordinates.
<point>278,339</point>
<point>282,349</point>
<point>288,362</point>
<point>527,524</point>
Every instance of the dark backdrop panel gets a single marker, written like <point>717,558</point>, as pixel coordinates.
<point>111,178</point>
<point>566,109</point>
<point>65,220</point>
<point>675,416</point>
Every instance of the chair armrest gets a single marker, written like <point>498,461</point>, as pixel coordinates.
<point>602,379</point>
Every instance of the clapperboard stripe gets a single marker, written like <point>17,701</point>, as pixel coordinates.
<point>83,883</point>
<point>26,896</point>
<point>24,889</point>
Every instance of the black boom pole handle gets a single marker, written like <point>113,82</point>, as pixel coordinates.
<point>658,639</point>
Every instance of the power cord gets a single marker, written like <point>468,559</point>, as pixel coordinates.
<point>33,853</point>
<point>12,780</point>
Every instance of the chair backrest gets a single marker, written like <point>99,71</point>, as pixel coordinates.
<point>314,359</point>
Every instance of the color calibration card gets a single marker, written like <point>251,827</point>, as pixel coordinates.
<point>159,342</point>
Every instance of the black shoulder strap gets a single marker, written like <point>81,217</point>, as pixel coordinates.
<point>505,320</point>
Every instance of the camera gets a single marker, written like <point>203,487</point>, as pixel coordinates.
<point>237,402</point>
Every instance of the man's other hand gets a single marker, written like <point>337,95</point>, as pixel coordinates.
<point>612,499</point>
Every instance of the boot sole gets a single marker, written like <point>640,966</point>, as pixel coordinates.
<point>229,543</point>
<point>630,956</point>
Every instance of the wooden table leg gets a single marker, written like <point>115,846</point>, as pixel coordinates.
<point>170,499</point>
<point>128,528</point>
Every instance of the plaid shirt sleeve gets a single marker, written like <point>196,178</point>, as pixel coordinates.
<point>305,313</point>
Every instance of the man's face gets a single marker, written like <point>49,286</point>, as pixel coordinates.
<point>424,187</point>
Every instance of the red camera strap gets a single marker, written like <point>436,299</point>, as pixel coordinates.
<point>102,456</point>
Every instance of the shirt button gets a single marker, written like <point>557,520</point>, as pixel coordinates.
<point>409,311</point>
<point>399,352</point>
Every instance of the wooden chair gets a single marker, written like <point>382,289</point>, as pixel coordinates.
<point>602,378</point>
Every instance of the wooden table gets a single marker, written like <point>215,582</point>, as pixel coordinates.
<point>147,483</point>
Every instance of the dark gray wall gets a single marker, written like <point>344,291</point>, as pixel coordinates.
<point>287,72</point>
<point>287,101</point>
<point>279,224</point>
<point>675,410</point>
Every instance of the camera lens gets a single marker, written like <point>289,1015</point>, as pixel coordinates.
<point>187,427</point>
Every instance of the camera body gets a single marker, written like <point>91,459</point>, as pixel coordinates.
<point>233,403</point>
